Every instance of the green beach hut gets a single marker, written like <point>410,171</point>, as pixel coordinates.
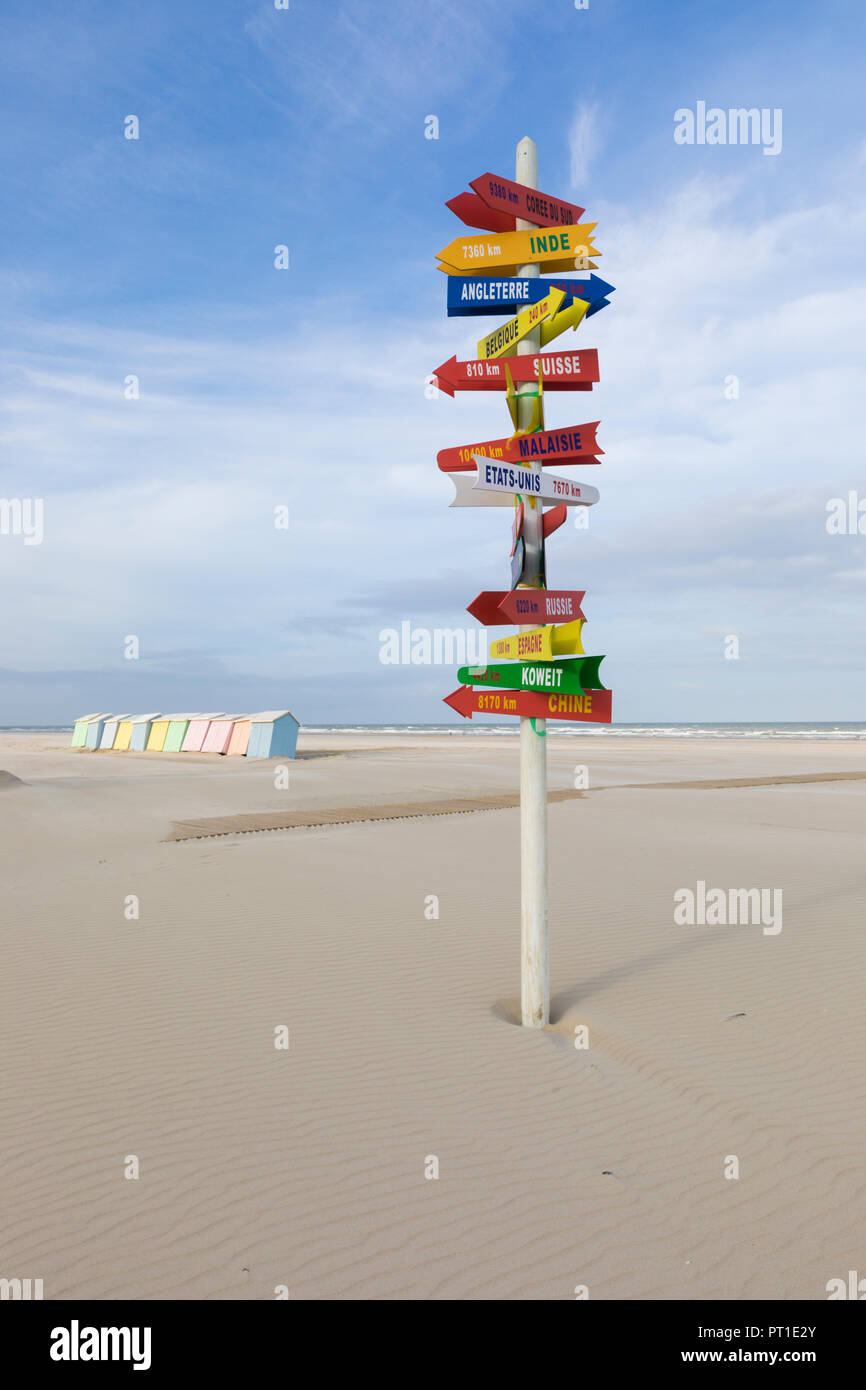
<point>176,732</point>
<point>79,729</point>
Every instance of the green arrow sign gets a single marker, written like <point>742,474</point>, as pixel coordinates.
<point>570,676</point>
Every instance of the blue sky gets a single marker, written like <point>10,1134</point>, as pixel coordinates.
<point>306,388</point>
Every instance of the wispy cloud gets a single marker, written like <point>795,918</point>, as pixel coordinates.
<point>584,141</point>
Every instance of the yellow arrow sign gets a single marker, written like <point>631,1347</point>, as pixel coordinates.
<point>541,246</point>
<point>541,643</point>
<point>501,342</point>
<point>568,318</point>
<point>536,421</point>
<point>567,266</point>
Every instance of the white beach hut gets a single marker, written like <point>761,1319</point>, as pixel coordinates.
<point>93,732</point>
<point>109,730</point>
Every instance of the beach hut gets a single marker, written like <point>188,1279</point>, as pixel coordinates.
<point>240,738</point>
<point>140,732</point>
<point>123,735</point>
<point>79,729</point>
<point>273,734</point>
<point>158,731</point>
<point>109,731</point>
<point>176,733</point>
<point>94,731</point>
<point>197,732</point>
<point>219,732</point>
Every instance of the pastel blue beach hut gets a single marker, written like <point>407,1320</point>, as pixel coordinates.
<point>273,734</point>
<point>79,729</point>
<point>141,731</point>
<point>94,731</point>
<point>109,730</point>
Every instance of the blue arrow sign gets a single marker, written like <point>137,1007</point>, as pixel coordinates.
<point>489,294</point>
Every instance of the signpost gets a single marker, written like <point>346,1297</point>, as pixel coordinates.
<point>526,481</point>
<point>592,707</point>
<point>473,295</point>
<point>558,249</point>
<point>561,371</point>
<point>546,674</point>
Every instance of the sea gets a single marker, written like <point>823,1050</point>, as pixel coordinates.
<point>810,730</point>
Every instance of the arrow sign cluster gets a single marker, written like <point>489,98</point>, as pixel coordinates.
<point>546,674</point>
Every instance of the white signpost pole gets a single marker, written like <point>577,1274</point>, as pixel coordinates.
<point>534,944</point>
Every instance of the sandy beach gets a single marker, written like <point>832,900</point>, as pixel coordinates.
<point>559,1166</point>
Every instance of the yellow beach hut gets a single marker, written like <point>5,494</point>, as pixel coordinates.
<point>156,739</point>
<point>109,730</point>
<point>123,735</point>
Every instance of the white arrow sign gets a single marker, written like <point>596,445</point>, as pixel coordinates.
<point>510,478</point>
<point>464,484</point>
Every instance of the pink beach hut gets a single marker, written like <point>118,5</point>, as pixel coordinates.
<point>197,732</point>
<point>218,735</point>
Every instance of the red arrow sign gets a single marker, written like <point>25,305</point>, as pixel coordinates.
<point>554,518</point>
<point>471,210</point>
<point>575,445</point>
<point>591,707</point>
<point>498,608</point>
<point>560,371</point>
<point>515,199</point>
